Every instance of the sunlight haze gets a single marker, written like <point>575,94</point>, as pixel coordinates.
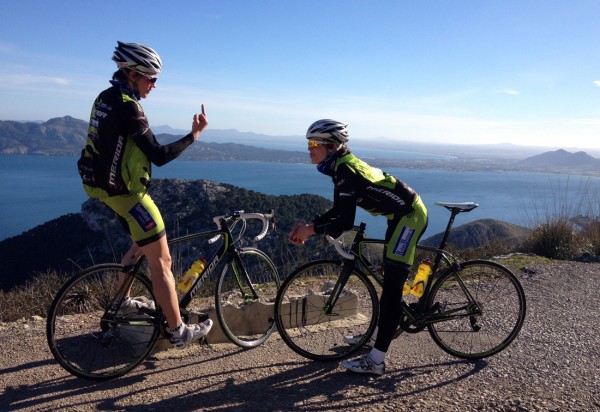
<point>465,72</point>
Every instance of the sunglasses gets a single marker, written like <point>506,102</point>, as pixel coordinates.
<point>151,79</point>
<point>313,143</point>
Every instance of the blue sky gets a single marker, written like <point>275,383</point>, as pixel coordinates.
<point>455,71</point>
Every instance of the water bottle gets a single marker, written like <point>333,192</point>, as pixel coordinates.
<point>421,277</point>
<point>191,275</point>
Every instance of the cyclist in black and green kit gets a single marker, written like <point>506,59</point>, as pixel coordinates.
<point>358,184</point>
<point>116,167</point>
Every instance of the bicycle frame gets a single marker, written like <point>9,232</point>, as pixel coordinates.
<point>211,263</point>
<point>227,251</point>
<point>415,312</point>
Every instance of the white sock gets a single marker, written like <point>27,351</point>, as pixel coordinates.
<point>374,335</point>
<point>177,330</point>
<point>377,356</point>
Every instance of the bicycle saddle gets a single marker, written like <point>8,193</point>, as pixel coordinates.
<point>462,207</point>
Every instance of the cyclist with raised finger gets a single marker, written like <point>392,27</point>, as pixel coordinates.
<point>116,168</point>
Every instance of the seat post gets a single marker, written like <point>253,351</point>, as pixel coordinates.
<point>453,212</point>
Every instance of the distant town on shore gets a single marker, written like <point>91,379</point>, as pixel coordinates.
<point>65,136</point>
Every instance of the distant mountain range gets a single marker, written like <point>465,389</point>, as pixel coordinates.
<point>66,136</point>
<point>58,136</point>
<point>562,159</point>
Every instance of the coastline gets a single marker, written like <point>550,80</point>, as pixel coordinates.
<point>51,187</point>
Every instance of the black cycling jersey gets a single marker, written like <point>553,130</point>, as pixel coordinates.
<point>358,184</point>
<point>120,146</point>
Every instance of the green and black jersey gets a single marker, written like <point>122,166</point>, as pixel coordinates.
<point>120,146</point>
<point>358,184</point>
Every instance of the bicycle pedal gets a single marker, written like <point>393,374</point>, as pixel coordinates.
<point>202,317</point>
<point>204,342</point>
<point>434,308</point>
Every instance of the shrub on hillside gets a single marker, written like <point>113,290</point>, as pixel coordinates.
<point>565,226</point>
<point>555,239</point>
<point>487,250</point>
<point>32,298</point>
<point>591,237</point>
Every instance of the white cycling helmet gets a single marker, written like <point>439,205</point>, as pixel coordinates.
<point>327,130</point>
<point>135,56</point>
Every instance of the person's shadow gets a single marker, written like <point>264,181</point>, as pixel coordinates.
<point>303,385</point>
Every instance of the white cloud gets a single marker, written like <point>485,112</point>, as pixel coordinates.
<point>597,83</point>
<point>511,92</point>
<point>28,79</point>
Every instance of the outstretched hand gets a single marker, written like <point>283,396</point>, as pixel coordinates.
<point>199,124</point>
<point>300,233</point>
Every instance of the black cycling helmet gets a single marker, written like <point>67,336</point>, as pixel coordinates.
<point>327,130</point>
<point>138,57</point>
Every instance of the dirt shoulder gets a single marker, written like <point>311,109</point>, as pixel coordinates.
<point>553,365</point>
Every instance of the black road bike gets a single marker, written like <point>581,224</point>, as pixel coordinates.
<point>92,337</point>
<point>472,309</point>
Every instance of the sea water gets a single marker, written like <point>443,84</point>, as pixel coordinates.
<point>37,189</point>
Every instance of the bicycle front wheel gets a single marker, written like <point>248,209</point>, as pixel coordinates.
<point>480,308</point>
<point>308,328</point>
<point>245,297</point>
<point>88,337</point>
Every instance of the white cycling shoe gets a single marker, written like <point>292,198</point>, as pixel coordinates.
<point>352,340</point>
<point>187,334</point>
<point>364,364</point>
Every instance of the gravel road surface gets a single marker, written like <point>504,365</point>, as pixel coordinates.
<point>553,365</point>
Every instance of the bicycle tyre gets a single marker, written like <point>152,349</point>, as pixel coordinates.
<point>499,296</point>
<point>302,322</point>
<point>86,341</point>
<point>245,320</point>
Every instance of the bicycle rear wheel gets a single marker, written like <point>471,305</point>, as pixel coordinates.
<point>484,325</point>
<point>300,311</point>
<point>88,338</point>
<point>245,298</point>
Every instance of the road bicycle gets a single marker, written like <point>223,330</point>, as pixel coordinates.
<point>472,309</point>
<point>91,337</point>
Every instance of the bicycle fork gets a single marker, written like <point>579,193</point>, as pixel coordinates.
<point>240,273</point>
<point>347,267</point>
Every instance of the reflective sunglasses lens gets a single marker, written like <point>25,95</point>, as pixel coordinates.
<point>312,144</point>
<point>151,79</point>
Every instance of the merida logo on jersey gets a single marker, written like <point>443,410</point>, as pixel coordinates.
<point>115,162</point>
<point>387,193</point>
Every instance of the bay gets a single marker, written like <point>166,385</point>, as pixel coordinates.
<point>37,189</point>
